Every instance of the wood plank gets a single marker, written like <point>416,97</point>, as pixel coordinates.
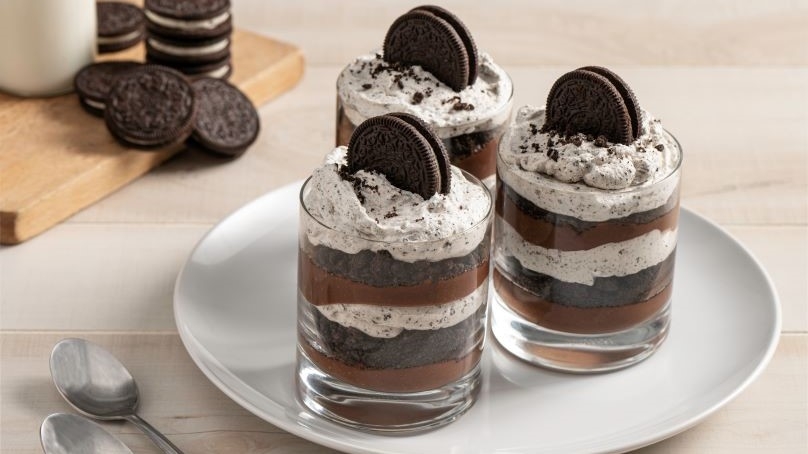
<point>768,417</point>
<point>121,276</point>
<point>556,32</point>
<point>56,159</point>
<point>100,277</point>
<point>745,161</point>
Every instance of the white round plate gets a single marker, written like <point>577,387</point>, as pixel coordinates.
<point>235,306</point>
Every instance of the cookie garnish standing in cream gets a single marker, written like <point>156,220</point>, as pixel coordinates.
<point>393,269</point>
<point>587,210</point>
<point>430,67</point>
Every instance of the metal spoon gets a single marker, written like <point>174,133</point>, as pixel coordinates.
<point>62,433</point>
<point>96,384</point>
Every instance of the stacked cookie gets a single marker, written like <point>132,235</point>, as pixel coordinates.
<point>120,26</point>
<point>193,37</point>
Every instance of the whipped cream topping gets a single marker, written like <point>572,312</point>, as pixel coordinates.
<point>390,321</point>
<point>180,24</point>
<point>189,51</point>
<point>582,267</point>
<point>586,177</point>
<point>370,213</point>
<point>370,86</point>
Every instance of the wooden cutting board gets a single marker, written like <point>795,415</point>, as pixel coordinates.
<point>56,159</point>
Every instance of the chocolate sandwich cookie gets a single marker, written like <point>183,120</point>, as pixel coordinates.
<point>183,52</point>
<point>187,19</point>
<point>462,31</point>
<point>120,26</point>
<point>632,105</point>
<point>439,150</point>
<point>93,83</point>
<point>151,107</point>
<point>435,39</point>
<point>221,69</point>
<point>226,121</point>
<point>403,149</point>
<point>585,101</point>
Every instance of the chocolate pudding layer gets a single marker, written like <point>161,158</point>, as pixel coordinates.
<point>400,380</point>
<point>442,346</point>
<point>530,299</point>
<point>473,152</point>
<point>555,231</point>
<point>380,269</point>
<point>323,284</point>
<point>395,338</point>
<point>414,360</point>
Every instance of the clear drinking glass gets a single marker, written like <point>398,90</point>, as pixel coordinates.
<point>471,146</point>
<point>386,344</point>
<point>614,309</point>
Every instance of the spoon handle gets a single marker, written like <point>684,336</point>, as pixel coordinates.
<point>158,438</point>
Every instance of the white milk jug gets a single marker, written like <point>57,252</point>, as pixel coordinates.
<point>44,43</point>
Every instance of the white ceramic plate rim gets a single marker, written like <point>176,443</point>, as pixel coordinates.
<point>207,361</point>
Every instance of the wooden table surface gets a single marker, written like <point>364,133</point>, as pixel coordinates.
<point>730,79</point>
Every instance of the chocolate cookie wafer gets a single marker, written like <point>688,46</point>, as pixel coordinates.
<point>626,92</point>
<point>180,53</point>
<point>221,69</point>
<point>226,121</point>
<point>151,107</point>
<point>435,39</point>
<point>93,83</point>
<point>188,19</point>
<point>120,26</point>
<point>583,101</point>
<point>441,155</point>
<point>462,31</point>
<point>402,150</point>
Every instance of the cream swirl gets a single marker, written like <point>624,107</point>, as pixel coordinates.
<point>372,214</point>
<point>622,258</point>
<point>369,87</point>
<point>585,177</point>
<point>390,321</point>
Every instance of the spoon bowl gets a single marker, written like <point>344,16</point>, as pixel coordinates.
<point>96,384</point>
<point>72,434</point>
<point>92,380</point>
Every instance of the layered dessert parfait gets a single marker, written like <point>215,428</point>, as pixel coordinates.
<point>429,66</point>
<point>393,280</point>
<point>586,223</point>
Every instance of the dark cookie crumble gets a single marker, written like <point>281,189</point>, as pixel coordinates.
<point>380,269</point>
<point>611,291</point>
<point>400,74</point>
<point>534,211</point>
<point>357,349</point>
